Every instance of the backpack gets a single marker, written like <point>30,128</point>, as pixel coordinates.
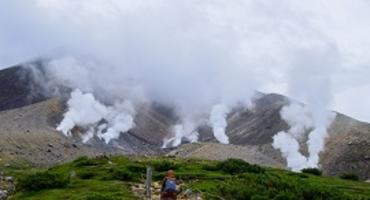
<point>170,185</point>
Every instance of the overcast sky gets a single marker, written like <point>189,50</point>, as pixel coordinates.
<point>280,46</point>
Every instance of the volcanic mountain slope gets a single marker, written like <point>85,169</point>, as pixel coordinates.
<point>347,147</point>
<point>29,118</point>
<point>17,89</point>
<point>26,136</point>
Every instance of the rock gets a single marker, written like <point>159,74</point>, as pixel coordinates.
<point>3,194</point>
<point>50,145</point>
<point>9,179</point>
<point>7,187</point>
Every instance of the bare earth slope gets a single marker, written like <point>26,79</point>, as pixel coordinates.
<point>215,151</point>
<point>26,136</point>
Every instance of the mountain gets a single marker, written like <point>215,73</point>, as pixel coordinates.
<point>28,118</point>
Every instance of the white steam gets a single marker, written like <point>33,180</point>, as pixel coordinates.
<point>186,131</point>
<point>218,122</point>
<point>189,54</point>
<point>106,122</point>
<point>299,118</point>
<point>310,84</point>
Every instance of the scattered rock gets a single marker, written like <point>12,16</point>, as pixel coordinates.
<point>3,194</point>
<point>9,179</point>
<point>7,187</point>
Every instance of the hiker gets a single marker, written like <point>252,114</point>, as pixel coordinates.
<point>168,191</point>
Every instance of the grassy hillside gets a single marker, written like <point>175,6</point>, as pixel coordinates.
<point>111,178</point>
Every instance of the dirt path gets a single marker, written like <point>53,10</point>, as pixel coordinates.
<point>185,194</point>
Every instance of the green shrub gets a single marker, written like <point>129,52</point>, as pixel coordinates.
<point>313,171</point>
<point>122,174</point>
<point>99,196</point>
<point>274,186</point>
<point>349,176</point>
<point>286,196</point>
<point>86,175</point>
<point>238,166</point>
<point>43,180</point>
<point>210,167</point>
<point>321,192</point>
<point>164,165</point>
<point>260,197</point>
<point>85,161</point>
<point>235,190</point>
<point>136,168</point>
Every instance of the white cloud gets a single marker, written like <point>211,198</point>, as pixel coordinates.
<point>354,102</point>
<point>194,53</point>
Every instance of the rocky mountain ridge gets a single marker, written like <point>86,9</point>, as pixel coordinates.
<point>28,119</point>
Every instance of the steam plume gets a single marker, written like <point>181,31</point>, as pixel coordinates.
<point>190,54</point>
<point>106,122</point>
<point>218,122</point>
<point>312,85</point>
<point>186,130</point>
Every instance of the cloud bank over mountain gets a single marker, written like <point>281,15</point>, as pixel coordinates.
<point>197,54</point>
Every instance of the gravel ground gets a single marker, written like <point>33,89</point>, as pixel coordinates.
<point>215,151</point>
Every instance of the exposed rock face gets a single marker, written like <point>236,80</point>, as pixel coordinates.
<point>17,88</point>
<point>348,148</point>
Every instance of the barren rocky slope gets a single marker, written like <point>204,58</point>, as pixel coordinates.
<point>29,118</point>
<point>215,151</point>
<point>26,136</point>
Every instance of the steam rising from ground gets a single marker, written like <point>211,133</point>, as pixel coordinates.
<point>218,122</point>
<point>188,129</point>
<point>311,85</point>
<point>300,121</point>
<point>191,55</point>
<point>185,131</point>
<point>105,122</point>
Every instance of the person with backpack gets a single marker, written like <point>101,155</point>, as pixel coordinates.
<point>168,191</point>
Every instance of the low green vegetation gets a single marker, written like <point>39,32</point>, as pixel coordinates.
<point>349,176</point>
<point>313,171</point>
<point>43,180</point>
<point>110,178</point>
